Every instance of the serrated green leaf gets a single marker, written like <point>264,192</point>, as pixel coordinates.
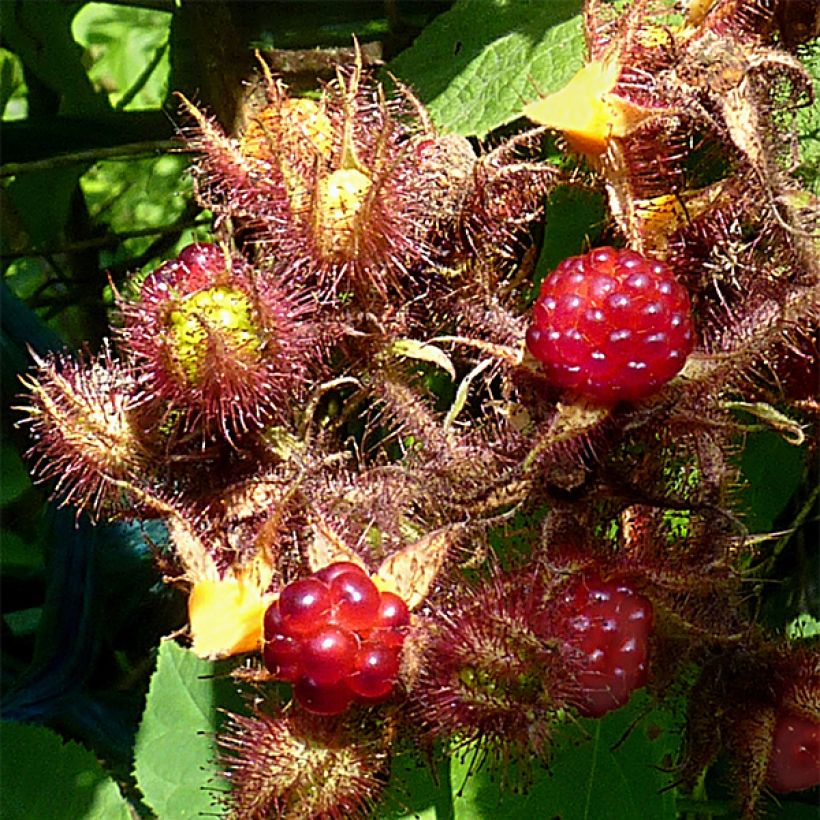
<point>175,762</point>
<point>476,65</point>
<point>412,349</point>
<point>47,779</point>
<point>595,774</point>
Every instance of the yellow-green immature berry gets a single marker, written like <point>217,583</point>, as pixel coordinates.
<point>221,318</point>
<point>339,202</point>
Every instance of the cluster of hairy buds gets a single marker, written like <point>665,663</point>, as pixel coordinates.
<point>347,191</point>
<point>269,399</point>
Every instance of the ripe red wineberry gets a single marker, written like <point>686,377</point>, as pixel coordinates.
<point>331,571</point>
<point>393,611</point>
<point>610,626</point>
<point>304,605</point>
<point>328,654</point>
<point>794,762</point>
<point>356,600</point>
<point>611,325</point>
<point>322,699</point>
<point>282,656</point>
<point>336,638</point>
<point>375,670</point>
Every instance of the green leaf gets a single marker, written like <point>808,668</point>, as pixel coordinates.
<point>773,470</point>
<point>13,91</point>
<point>47,779</point>
<point>176,751</point>
<point>14,478</point>
<point>573,219</point>
<point>595,773</point>
<point>476,65</point>
<point>127,52</point>
<point>808,124</point>
<point>803,626</point>
<point>416,792</point>
<point>19,557</point>
<point>27,28</point>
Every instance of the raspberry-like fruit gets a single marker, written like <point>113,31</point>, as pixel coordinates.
<point>794,763</point>
<point>611,325</point>
<point>336,637</point>
<point>609,626</point>
<point>356,600</point>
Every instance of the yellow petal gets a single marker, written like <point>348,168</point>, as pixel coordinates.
<point>226,617</point>
<point>586,110</point>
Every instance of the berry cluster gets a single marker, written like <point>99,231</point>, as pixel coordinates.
<point>611,325</point>
<point>336,637</point>
<point>609,626</point>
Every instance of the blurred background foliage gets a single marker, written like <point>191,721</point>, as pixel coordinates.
<point>94,190</point>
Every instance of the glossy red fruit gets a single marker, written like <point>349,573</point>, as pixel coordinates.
<point>609,626</point>
<point>202,257</point>
<point>393,611</point>
<point>611,325</point>
<point>304,605</point>
<point>794,763</point>
<point>322,699</point>
<point>375,670</point>
<point>356,600</point>
<point>328,655</point>
<point>331,571</point>
<point>282,656</point>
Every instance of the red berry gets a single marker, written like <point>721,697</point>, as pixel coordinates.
<point>273,624</point>
<point>328,655</point>
<point>322,699</point>
<point>356,600</point>
<point>304,606</point>
<point>611,325</point>
<point>331,571</point>
<point>610,627</point>
<point>202,257</point>
<point>393,611</point>
<point>375,670</point>
<point>794,763</point>
<point>282,657</point>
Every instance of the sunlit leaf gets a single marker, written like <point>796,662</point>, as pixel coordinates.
<point>476,65</point>
<point>176,750</point>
